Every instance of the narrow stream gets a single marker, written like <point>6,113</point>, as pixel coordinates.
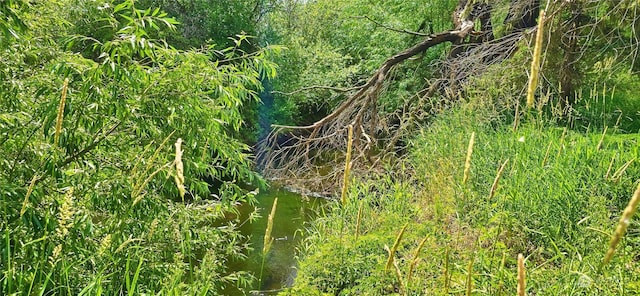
<point>292,211</point>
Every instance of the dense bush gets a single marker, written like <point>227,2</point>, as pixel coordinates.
<point>91,109</point>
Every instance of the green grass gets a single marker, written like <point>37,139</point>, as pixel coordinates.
<point>557,202</point>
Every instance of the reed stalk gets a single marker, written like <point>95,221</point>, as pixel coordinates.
<point>521,276</point>
<point>562,137</point>
<point>613,159</point>
<point>414,261</point>
<point>347,167</point>
<point>618,174</point>
<point>150,162</point>
<point>393,250</point>
<point>601,139</point>
<point>59,118</point>
<point>467,162</point>
<point>516,120</point>
<point>25,203</point>
<point>179,176</point>
<point>268,240</point>
<point>546,154</point>
<point>621,229</point>
<point>494,187</point>
<point>535,63</point>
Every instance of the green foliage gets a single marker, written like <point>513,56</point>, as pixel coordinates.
<point>95,212</point>
<point>557,201</point>
<point>205,22</point>
<point>10,22</point>
<point>331,43</point>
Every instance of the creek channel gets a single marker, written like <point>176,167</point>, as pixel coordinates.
<point>292,212</point>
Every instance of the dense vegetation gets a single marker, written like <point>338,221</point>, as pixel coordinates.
<point>550,183</point>
<point>125,133</point>
<point>102,128</point>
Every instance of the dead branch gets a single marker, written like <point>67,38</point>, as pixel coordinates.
<point>311,152</point>
<point>312,155</point>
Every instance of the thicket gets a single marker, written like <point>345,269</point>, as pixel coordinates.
<point>550,182</point>
<point>337,44</point>
<point>120,153</point>
<point>558,198</point>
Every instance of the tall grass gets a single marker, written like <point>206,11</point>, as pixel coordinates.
<point>268,240</point>
<point>494,186</point>
<point>560,186</point>
<point>467,162</point>
<point>623,224</point>
<point>394,248</point>
<point>347,166</point>
<point>415,260</point>
<point>60,116</point>
<point>521,276</point>
<point>469,280</point>
<point>179,175</point>
<point>535,62</point>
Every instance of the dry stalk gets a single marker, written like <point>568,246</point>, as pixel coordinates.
<point>179,176</point>
<point>150,161</point>
<point>618,174</point>
<point>535,63</point>
<point>564,134</point>
<point>516,120</point>
<point>268,240</point>
<point>606,176</point>
<point>393,250</point>
<point>546,154</point>
<point>347,166</point>
<point>396,269</point>
<point>467,162</point>
<point>497,179</point>
<point>521,276</point>
<point>136,193</point>
<point>601,139</point>
<point>621,229</point>
<point>25,203</point>
<point>414,261</point>
<point>63,99</point>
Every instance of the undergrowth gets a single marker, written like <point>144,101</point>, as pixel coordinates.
<point>557,201</point>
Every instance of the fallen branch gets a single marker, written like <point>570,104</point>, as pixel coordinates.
<point>310,153</point>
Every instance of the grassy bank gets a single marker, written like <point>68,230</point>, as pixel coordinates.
<point>559,195</point>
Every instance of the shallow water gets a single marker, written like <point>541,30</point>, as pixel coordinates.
<point>292,211</point>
